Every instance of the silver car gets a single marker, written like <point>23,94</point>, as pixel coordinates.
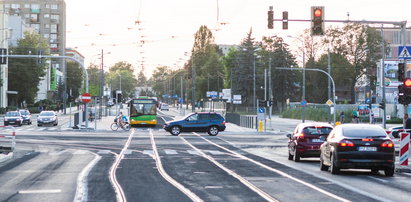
<point>47,118</point>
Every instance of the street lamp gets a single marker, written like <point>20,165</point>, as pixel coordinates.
<point>303,93</point>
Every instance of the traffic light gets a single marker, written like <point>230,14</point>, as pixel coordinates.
<point>401,72</point>
<point>402,98</point>
<point>270,18</point>
<point>3,56</point>
<point>382,105</point>
<point>317,20</point>
<point>285,20</point>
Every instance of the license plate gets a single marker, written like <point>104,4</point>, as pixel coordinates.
<point>316,140</point>
<point>12,122</point>
<point>367,148</point>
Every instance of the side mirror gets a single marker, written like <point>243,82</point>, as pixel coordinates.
<point>289,136</point>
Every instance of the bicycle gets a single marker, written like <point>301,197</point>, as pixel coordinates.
<point>115,125</point>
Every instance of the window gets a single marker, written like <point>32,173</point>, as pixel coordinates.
<point>47,5</point>
<point>53,28</point>
<point>46,15</point>
<point>26,5</point>
<point>27,15</point>
<point>53,45</point>
<point>54,6</point>
<point>35,27</point>
<point>46,36</point>
<point>53,36</point>
<point>397,37</point>
<point>55,17</point>
<point>6,5</point>
<point>35,6</point>
<point>215,116</point>
<point>46,26</point>
<point>15,6</point>
<point>203,117</point>
<point>34,17</point>
<point>194,117</point>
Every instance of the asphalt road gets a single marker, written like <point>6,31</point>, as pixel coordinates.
<point>149,164</point>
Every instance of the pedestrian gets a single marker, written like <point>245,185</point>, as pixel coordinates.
<point>372,117</point>
<point>62,107</point>
<point>40,108</point>
<point>355,116</point>
<point>407,121</point>
<point>342,116</point>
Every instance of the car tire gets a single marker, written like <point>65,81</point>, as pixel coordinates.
<point>175,130</point>
<point>38,124</point>
<point>389,172</point>
<point>333,168</point>
<point>6,124</point>
<point>213,130</point>
<point>323,167</point>
<point>297,156</point>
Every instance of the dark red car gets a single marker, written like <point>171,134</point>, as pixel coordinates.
<point>306,140</point>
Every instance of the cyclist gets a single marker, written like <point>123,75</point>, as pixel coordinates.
<point>122,119</point>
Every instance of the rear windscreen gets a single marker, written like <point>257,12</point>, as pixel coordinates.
<point>317,130</point>
<point>363,132</point>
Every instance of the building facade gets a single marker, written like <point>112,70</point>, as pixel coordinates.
<point>4,35</point>
<point>47,18</point>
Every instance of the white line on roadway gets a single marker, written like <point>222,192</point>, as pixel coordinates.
<point>82,183</point>
<point>167,177</point>
<point>44,191</point>
<point>277,171</point>
<point>247,183</point>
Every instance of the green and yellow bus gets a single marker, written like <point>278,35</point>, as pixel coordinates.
<point>143,111</point>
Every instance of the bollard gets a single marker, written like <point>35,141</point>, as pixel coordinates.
<point>404,148</point>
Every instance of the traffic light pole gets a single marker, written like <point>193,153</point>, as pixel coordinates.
<point>404,37</point>
<point>57,57</point>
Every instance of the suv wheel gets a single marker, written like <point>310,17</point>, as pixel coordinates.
<point>323,167</point>
<point>296,156</point>
<point>334,169</point>
<point>175,130</point>
<point>213,130</point>
<point>389,172</point>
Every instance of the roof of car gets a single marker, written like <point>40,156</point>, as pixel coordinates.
<point>361,126</point>
<point>315,124</point>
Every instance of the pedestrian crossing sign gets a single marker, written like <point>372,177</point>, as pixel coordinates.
<point>404,52</point>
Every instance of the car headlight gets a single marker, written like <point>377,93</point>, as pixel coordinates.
<point>6,119</point>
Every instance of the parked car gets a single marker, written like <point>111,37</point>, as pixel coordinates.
<point>210,122</point>
<point>47,118</point>
<point>26,116</point>
<point>13,118</point>
<point>305,141</point>
<point>395,131</point>
<point>358,146</point>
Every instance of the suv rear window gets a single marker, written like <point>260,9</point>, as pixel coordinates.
<point>215,116</point>
<point>312,130</point>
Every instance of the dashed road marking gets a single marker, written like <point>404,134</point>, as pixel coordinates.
<point>169,151</point>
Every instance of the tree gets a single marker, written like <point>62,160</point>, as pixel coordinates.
<point>361,46</point>
<point>94,74</point>
<point>74,78</point>
<point>123,71</point>
<point>158,80</point>
<point>25,74</point>
<point>286,84</point>
<point>141,79</point>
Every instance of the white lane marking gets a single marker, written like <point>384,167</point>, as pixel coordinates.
<point>82,181</point>
<point>215,152</point>
<point>127,151</point>
<point>170,151</point>
<point>409,174</point>
<point>44,191</point>
<point>257,190</point>
<point>103,152</point>
<point>113,178</point>
<point>163,173</point>
<point>277,171</point>
<point>148,152</point>
<point>194,152</point>
<point>378,179</point>
<point>80,152</point>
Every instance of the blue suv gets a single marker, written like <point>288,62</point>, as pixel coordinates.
<point>210,122</point>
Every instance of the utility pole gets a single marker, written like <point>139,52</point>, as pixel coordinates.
<point>193,81</point>
<point>101,84</point>
<point>329,87</point>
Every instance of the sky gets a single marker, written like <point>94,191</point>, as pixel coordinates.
<point>149,33</point>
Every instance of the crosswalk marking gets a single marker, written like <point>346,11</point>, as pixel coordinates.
<point>216,152</point>
<point>127,151</point>
<point>148,152</point>
<point>169,151</point>
<point>193,152</point>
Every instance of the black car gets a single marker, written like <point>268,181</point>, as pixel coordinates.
<point>358,146</point>
<point>210,122</point>
<point>13,118</point>
<point>26,116</point>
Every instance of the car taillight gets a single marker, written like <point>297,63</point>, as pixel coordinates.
<point>346,143</point>
<point>300,135</point>
<point>388,132</point>
<point>223,123</point>
<point>388,144</point>
<point>367,140</point>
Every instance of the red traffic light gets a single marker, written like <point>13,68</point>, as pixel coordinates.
<point>318,12</point>
<point>407,83</point>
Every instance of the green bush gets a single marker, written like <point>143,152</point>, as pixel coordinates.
<point>316,114</point>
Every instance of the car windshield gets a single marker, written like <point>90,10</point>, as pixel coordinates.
<point>12,114</point>
<point>314,130</point>
<point>46,114</point>
<point>24,112</point>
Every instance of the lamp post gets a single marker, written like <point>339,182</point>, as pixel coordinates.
<point>303,87</point>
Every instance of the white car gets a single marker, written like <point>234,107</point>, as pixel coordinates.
<point>164,106</point>
<point>47,118</point>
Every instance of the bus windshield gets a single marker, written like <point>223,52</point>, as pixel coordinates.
<point>138,108</point>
